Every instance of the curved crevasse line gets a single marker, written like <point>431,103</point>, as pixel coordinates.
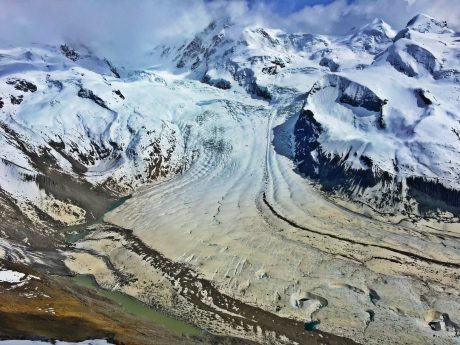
<point>344,239</point>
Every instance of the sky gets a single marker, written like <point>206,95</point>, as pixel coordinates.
<point>127,27</point>
<point>290,6</point>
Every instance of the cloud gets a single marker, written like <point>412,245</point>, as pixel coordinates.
<point>121,25</point>
<point>125,28</point>
<point>340,16</point>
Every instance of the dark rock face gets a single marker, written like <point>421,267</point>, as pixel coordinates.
<point>119,94</point>
<point>335,176</point>
<point>112,68</point>
<point>61,185</point>
<point>423,100</point>
<point>362,98</point>
<point>329,63</point>
<point>69,52</point>
<point>279,62</point>
<point>421,56</point>
<point>85,93</point>
<point>273,41</point>
<point>351,93</point>
<point>448,74</point>
<point>445,323</point>
<point>259,91</point>
<point>404,33</point>
<point>432,195</point>
<point>16,100</point>
<point>192,51</point>
<point>1,103</point>
<point>272,70</point>
<point>54,83</point>
<point>99,151</point>
<point>245,77</point>
<point>22,85</point>
<point>217,82</point>
<point>399,64</point>
<point>307,131</point>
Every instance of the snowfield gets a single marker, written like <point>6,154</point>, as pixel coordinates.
<point>9,276</point>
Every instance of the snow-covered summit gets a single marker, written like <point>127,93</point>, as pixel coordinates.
<point>425,47</point>
<point>423,23</point>
<point>373,37</point>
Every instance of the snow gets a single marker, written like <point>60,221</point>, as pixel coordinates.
<point>9,276</point>
<point>424,23</point>
<point>151,134</point>
<point>16,279</point>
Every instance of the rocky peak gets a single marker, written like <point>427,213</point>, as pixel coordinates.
<point>262,37</point>
<point>69,52</point>
<point>205,43</point>
<point>217,25</point>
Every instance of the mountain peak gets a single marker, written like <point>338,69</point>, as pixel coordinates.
<point>218,24</point>
<point>379,25</point>
<point>377,21</point>
<point>373,37</point>
<point>424,23</point>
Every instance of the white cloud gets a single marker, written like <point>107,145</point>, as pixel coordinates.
<point>127,27</point>
<point>120,26</point>
<point>340,16</point>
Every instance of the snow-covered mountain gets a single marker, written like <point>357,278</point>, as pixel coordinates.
<point>388,134</point>
<point>228,55</point>
<point>379,119</point>
<point>73,134</point>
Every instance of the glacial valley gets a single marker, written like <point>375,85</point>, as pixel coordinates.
<point>257,185</point>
